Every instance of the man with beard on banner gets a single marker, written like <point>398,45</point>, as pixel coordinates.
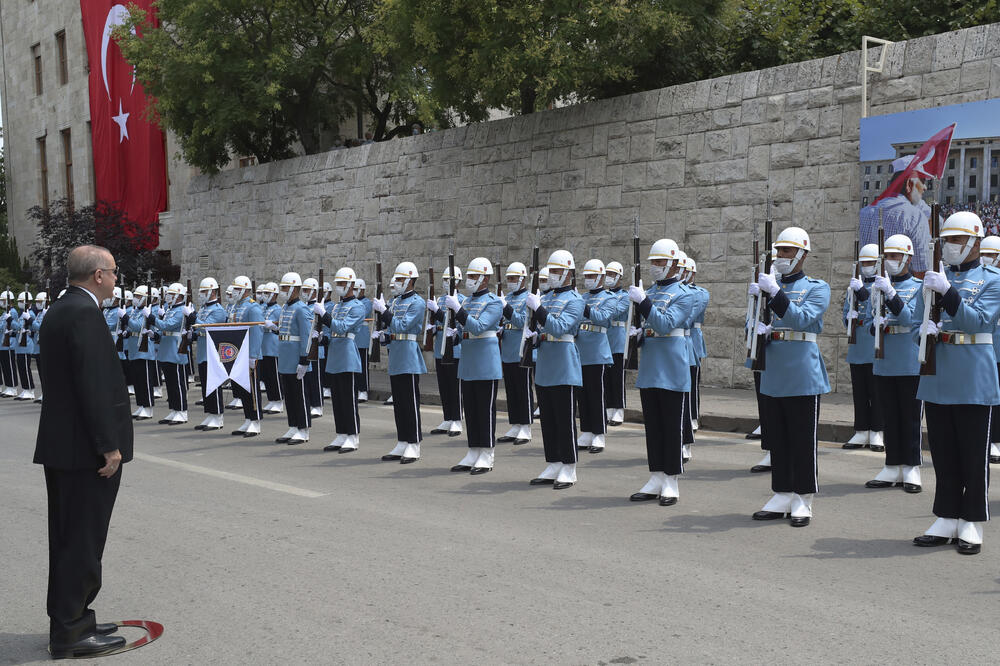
<point>247,310</point>
<point>210,311</point>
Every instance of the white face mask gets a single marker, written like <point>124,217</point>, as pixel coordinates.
<point>866,271</point>
<point>611,280</point>
<point>396,287</point>
<point>591,283</point>
<point>283,296</point>
<point>106,303</point>
<point>894,266</point>
<point>658,272</point>
<point>783,265</point>
<point>203,297</point>
<point>340,290</point>
<point>557,280</point>
<point>543,286</point>
<point>954,254</point>
<point>472,284</point>
<point>137,302</point>
<point>513,285</point>
<point>987,260</point>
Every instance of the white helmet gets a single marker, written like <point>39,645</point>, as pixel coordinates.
<point>543,278</point>
<point>128,296</point>
<point>692,265</point>
<point>682,261</point>
<point>613,272</point>
<point>41,298</point>
<point>359,284</point>
<point>403,278</point>
<point>446,275</point>
<point>900,243</point>
<point>477,274</point>
<point>242,286</point>
<point>6,297</point>
<point>140,295</point>
<point>793,237</point>
<point>176,294</point>
<point>155,295</point>
<point>117,293</point>
<point>208,283</point>
<point>290,280</point>
<point>664,248</point>
<point>327,289</point>
<point>347,275</point>
<point>310,289</point>
<point>560,260</point>
<point>23,298</point>
<point>990,245</point>
<point>962,223</point>
<point>870,252</point>
<point>266,292</point>
<point>517,269</point>
<point>594,266</point>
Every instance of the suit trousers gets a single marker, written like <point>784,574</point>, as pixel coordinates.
<point>173,377</point>
<point>296,402</point>
<point>139,377</point>
<point>27,380</point>
<point>590,400</point>
<point>449,387</point>
<point>268,367</point>
<point>556,408</point>
<point>214,403</point>
<point>867,411</point>
<point>79,512</point>
<point>480,400</point>
<point>790,427</point>
<point>901,412</point>
<point>662,411</point>
<point>614,383</point>
<point>960,447</point>
<point>344,392</point>
<point>406,407</point>
<point>517,383</point>
<point>250,399</point>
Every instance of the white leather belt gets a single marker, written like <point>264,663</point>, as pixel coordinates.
<point>404,336</point>
<point>895,330</point>
<point>548,337</point>
<point>512,327</point>
<point>793,336</point>
<point>349,336</point>
<point>479,336</point>
<point>171,333</point>
<point>593,328</point>
<point>619,324</point>
<point>289,338</point>
<point>697,324</point>
<point>676,333</point>
<point>959,338</point>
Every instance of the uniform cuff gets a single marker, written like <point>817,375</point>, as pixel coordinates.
<point>895,305</point>
<point>438,316</point>
<point>863,294</point>
<point>541,314</point>
<point>461,316</point>
<point>951,300</point>
<point>386,318</point>
<point>586,311</point>
<point>779,304</point>
<point>303,360</point>
<point>508,311</point>
<point>645,307</point>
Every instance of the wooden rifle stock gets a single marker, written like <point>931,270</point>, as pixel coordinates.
<point>852,324</point>
<point>313,354</point>
<point>763,314</point>
<point>530,323</point>
<point>448,342</point>
<point>375,347</point>
<point>428,338</point>
<point>932,301</point>
<point>635,318</point>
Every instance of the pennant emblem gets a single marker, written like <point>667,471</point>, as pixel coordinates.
<point>228,356</point>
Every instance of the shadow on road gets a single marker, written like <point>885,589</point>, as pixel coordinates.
<point>699,524</point>
<point>22,648</point>
<point>840,548</point>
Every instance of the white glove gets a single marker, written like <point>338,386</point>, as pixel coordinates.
<point>149,333</point>
<point>6,316</point>
<point>270,325</point>
<point>160,312</point>
<point>633,331</point>
<point>936,281</point>
<point>856,284</point>
<point>121,312</point>
<point>763,329</point>
<point>528,334</point>
<point>25,315</point>
<point>503,301</point>
<point>319,309</point>
<point>878,322</point>
<point>376,335</point>
<point>532,301</point>
<point>432,306</point>
<point>636,293</point>
<point>431,327</point>
<point>187,310</point>
<point>883,284</point>
<point>253,364</point>
<point>753,290</point>
<point>301,370</point>
<point>146,311</point>
<point>767,283</point>
<point>851,314</point>
<point>452,303</point>
<point>379,304</point>
<point>929,327</point>
<point>451,332</point>
<point>314,335</point>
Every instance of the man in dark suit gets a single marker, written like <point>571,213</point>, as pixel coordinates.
<point>84,436</point>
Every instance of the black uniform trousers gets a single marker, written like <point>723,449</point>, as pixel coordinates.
<point>7,370</point>
<point>362,377</point>
<point>556,408</point>
<point>959,442</point>
<point>480,400</point>
<point>406,407</point>
<point>268,368</point>
<point>901,410</point>
<point>251,401</point>
<point>344,392</point>
<point>614,383</point>
<point>173,377</point>
<point>448,387</point>
<point>994,417</point>
<point>517,383</point>
<point>867,411</point>
<point>761,399</point>
<point>24,371</point>
<point>125,370</point>
<point>790,427</point>
<point>590,400</point>
<point>662,411</point>
<point>688,433</point>
<point>140,375</point>
<point>324,378</point>
<point>695,391</point>
<point>314,389</point>
<point>296,402</point>
<point>80,506</point>
<point>214,403</point>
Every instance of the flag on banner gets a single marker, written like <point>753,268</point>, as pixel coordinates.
<point>228,356</point>
<point>928,162</point>
<point>130,166</point>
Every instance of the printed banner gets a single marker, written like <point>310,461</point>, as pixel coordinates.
<point>228,356</point>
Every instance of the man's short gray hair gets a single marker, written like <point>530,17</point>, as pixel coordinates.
<point>84,260</point>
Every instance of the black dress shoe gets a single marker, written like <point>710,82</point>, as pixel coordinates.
<point>164,421</point>
<point>769,515</point>
<point>757,469</point>
<point>504,439</point>
<point>452,433</point>
<point>87,647</point>
<point>282,440</point>
<point>250,434</point>
<point>142,418</point>
<point>199,402</point>
<point>561,485</point>
<point>390,456</point>
<point>480,470</point>
<point>876,448</point>
<point>173,423</point>
<point>438,431</point>
<point>875,483</point>
<point>596,449</point>
<point>407,461</point>
<point>642,497</point>
<point>343,450</point>
<point>928,541</point>
<point>995,460</point>
<point>966,548</point>
<point>106,628</point>
<point>541,482</point>
<point>614,423</point>
<point>237,433</point>
<point>800,521</point>
<point>201,427</point>
<point>582,448</point>
<point>751,435</point>
<point>332,447</point>
<point>912,488</point>
<point>686,460</point>
<point>668,501</point>
<point>461,468</point>
<point>519,442</point>
<point>853,446</point>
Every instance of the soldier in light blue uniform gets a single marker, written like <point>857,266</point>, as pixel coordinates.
<point>313,381</point>
<point>697,339</point>
<point>345,321</point>
<point>558,373</point>
<point>687,420</point>
<point>599,307</point>
<point>168,323</point>
<point>41,307</point>
<point>8,370</point>
<point>142,364</point>
<point>898,372</point>
<point>210,311</point>
<point>449,385</point>
<point>989,255</point>
<point>294,328</point>
<point>794,379</point>
<point>267,295</point>
<point>479,368</point>
<point>957,399</point>
<point>614,376</point>
<point>363,342</point>
<point>246,309</point>
<point>23,345</point>
<point>664,371</point>
<point>868,424</point>
<point>517,381</point>
<point>114,312</point>
<point>403,323</point>
<point>230,307</point>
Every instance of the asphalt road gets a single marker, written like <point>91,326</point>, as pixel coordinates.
<point>253,552</point>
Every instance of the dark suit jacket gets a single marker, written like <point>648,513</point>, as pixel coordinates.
<point>86,410</point>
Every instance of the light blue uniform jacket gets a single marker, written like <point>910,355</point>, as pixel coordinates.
<point>480,314</point>
<point>513,329</point>
<point>796,368</point>
<point>405,316</point>
<point>863,350</point>
<point>664,359</point>
<point>296,321</point>
<point>900,349</point>
<point>558,362</point>
<point>599,309</point>
<point>346,318</point>
<point>210,313</point>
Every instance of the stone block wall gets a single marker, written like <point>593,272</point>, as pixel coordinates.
<point>696,162</point>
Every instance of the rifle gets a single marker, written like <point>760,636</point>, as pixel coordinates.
<point>530,323</point>
<point>927,354</point>
<point>852,298</point>
<point>755,267</point>
<point>878,304</point>
<point>428,338</point>
<point>374,353</point>
<point>143,338</point>
<point>184,346</point>
<point>762,313</point>
<point>634,316</point>
<point>313,354</point>
<point>448,342</point>
<point>496,271</point>
<point>22,335</point>
<point>6,326</point>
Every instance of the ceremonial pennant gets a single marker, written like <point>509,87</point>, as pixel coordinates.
<point>228,356</point>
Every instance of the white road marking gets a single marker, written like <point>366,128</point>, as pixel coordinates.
<point>229,476</point>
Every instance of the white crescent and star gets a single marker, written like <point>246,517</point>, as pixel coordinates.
<point>117,15</point>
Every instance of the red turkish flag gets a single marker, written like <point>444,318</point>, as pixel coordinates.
<point>129,156</point>
<point>929,162</point>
